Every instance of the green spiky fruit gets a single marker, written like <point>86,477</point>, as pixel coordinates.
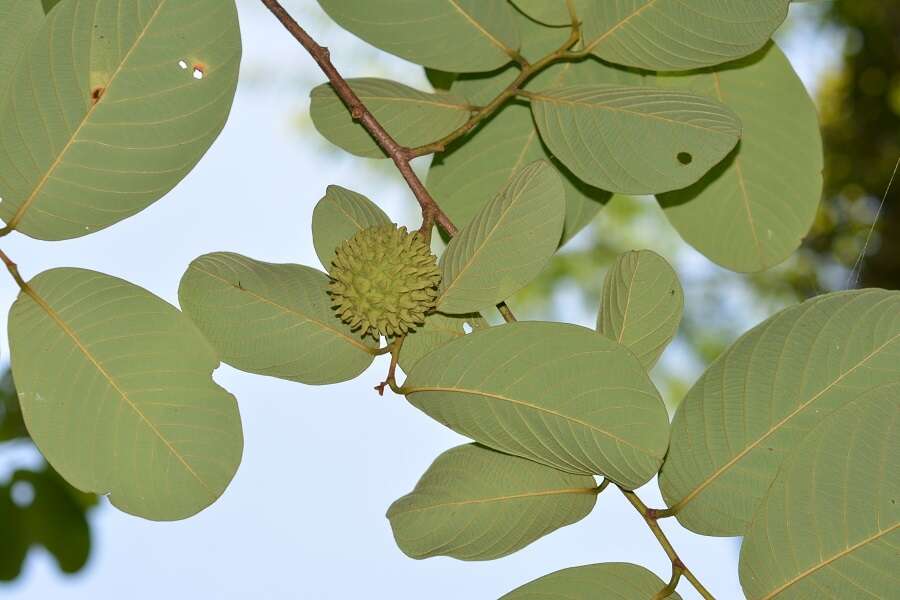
<point>384,280</point>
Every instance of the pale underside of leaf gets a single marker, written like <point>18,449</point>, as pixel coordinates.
<point>506,244</point>
<point>671,35</point>
<point>755,403</point>
<point>95,131</point>
<point>642,304</point>
<point>272,319</point>
<point>458,36</point>
<point>829,525</point>
<point>438,329</point>
<point>477,504</point>
<point>613,581</point>
<point>413,118</point>
<point>116,390</point>
<point>752,211</point>
<point>557,394</point>
<point>634,140</point>
<point>338,216</point>
<point>20,20</point>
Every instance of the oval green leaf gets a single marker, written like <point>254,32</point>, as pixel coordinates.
<point>272,319</point>
<point>751,212</point>
<point>557,394</point>
<point>669,35</point>
<point>439,329</point>
<point>470,173</point>
<point>413,118</point>
<point>604,580</point>
<point>20,20</point>
<point>634,140</point>
<point>757,400</point>
<point>338,216</point>
<point>114,103</point>
<point>642,304</point>
<point>460,36</point>
<point>477,504</point>
<point>830,521</point>
<point>506,244</point>
<point>117,393</point>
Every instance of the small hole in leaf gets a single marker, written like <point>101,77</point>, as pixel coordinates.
<point>467,328</point>
<point>22,493</point>
<point>685,158</point>
<point>182,64</point>
<point>199,73</point>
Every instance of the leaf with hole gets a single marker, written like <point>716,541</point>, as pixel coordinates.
<point>413,118</point>
<point>117,393</point>
<point>604,580</point>
<point>634,140</point>
<point>470,173</point>
<point>113,105</point>
<point>338,216</point>
<point>477,504</point>
<point>671,35</point>
<point>506,244</point>
<point>460,36</point>
<point>752,211</point>
<point>830,520</point>
<point>272,319</point>
<point>642,304</point>
<point>755,403</point>
<point>557,394</point>
<point>439,329</point>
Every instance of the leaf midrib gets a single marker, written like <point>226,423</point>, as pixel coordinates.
<point>678,506</point>
<point>413,390</point>
<point>20,213</point>
<point>487,34</point>
<point>590,47</point>
<point>555,492</point>
<point>30,291</point>
<point>606,107</point>
<point>828,561</point>
<point>306,318</point>
<point>487,238</point>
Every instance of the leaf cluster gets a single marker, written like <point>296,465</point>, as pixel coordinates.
<point>788,439</point>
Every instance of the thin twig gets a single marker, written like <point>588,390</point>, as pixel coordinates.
<point>391,380</point>
<point>506,313</point>
<point>510,91</point>
<point>14,271</point>
<point>431,211</point>
<point>664,542</point>
<point>672,585</point>
<point>399,154</point>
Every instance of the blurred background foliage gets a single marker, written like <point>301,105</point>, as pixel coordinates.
<point>859,105</point>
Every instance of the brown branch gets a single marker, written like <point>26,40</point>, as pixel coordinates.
<point>391,380</point>
<point>677,563</point>
<point>511,91</point>
<point>399,154</point>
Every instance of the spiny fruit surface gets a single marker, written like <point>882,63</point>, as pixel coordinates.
<point>384,280</point>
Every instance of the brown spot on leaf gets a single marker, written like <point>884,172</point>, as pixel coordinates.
<point>97,94</point>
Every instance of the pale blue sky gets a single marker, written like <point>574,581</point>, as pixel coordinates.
<point>304,517</point>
